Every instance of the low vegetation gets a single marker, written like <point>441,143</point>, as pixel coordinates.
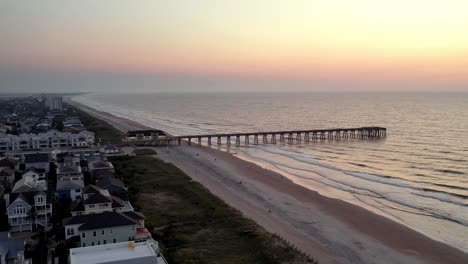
<point>191,224</point>
<point>103,131</point>
<point>144,151</point>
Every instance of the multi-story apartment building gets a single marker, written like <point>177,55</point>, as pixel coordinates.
<point>48,140</point>
<point>54,103</point>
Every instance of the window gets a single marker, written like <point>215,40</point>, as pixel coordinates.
<point>92,243</point>
<point>102,232</point>
<point>83,235</point>
<point>77,190</point>
<point>114,240</point>
<point>99,242</point>
<point>91,206</point>
<point>19,209</point>
<point>84,244</point>
<point>70,232</point>
<point>39,199</point>
<point>104,242</point>
<point>94,233</point>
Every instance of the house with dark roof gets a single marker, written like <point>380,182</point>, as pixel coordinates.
<point>110,149</point>
<point>100,165</point>
<point>9,163</point>
<point>100,229</point>
<point>37,161</point>
<point>103,175</point>
<point>28,210</point>
<point>97,200</point>
<point>113,185</point>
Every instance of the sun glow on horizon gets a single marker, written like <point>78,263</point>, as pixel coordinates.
<point>361,39</point>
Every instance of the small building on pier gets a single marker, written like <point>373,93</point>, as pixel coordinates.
<point>139,135</point>
<point>148,137</point>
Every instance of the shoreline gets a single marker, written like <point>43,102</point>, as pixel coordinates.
<point>339,233</point>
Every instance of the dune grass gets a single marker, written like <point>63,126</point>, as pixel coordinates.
<point>191,224</point>
<point>104,133</point>
<point>144,151</point>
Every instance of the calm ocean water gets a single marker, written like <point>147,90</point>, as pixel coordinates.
<point>417,176</point>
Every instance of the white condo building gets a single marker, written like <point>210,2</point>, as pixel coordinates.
<point>54,103</point>
<point>51,139</point>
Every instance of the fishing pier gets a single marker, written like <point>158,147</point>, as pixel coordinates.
<point>272,137</point>
<point>286,136</point>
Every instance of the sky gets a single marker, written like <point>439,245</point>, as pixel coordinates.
<point>242,45</point>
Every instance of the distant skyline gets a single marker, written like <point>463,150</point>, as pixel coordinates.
<point>208,45</point>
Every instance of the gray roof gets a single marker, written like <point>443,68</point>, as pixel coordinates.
<point>90,188</point>
<point>110,181</point>
<point>66,169</point>
<point>101,165</point>
<point>97,198</point>
<point>134,215</point>
<point>77,206</point>
<point>37,157</point>
<point>28,197</point>
<point>99,221</point>
<point>69,185</point>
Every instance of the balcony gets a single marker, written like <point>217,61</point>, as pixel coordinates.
<point>44,211</point>
<point>19,221</point>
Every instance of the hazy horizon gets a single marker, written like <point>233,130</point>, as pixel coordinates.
<point>145,46</point>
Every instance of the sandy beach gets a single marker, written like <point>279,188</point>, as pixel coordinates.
<point>330,230</point>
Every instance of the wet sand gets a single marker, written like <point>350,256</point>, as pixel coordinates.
<point>330,230</point>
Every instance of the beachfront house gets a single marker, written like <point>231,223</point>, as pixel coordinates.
<point>100,228</point>
<point>113,185</point>
<point>96,200</point>
<point>110,149</point>
<point>100,166</point>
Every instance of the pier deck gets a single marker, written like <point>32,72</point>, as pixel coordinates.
<point>273,137</point>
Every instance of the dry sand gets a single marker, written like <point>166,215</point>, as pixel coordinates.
<point>330,230</point>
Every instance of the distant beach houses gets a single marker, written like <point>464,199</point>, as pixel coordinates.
<point>57,164</point>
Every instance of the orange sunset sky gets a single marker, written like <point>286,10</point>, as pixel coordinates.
<point>319,45</point>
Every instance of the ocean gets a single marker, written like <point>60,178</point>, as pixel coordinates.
<point>417,175</point>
